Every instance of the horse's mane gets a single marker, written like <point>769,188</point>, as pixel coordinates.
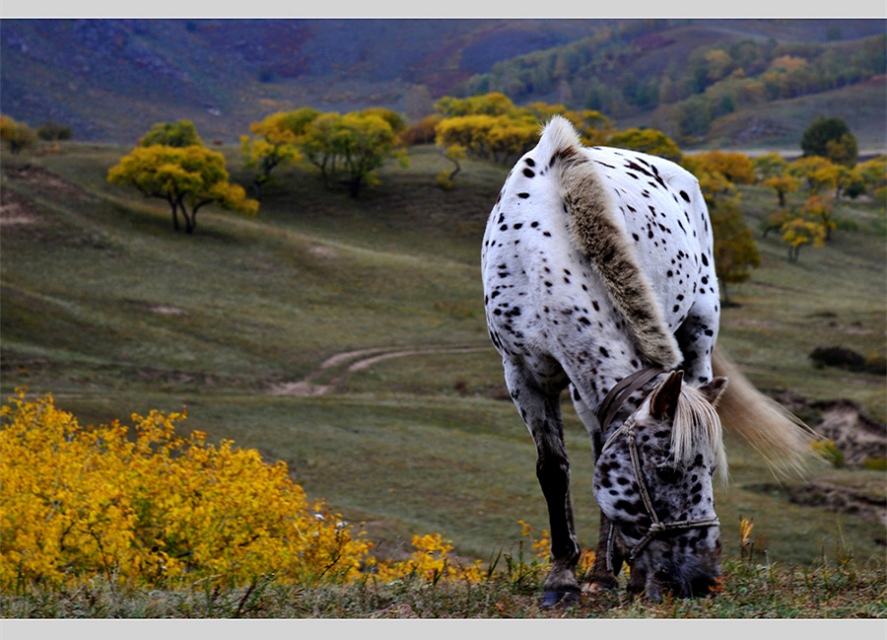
<point>697,425</point>
<point>595,230</point>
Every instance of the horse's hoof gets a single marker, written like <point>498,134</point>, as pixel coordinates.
<point>560,599</point>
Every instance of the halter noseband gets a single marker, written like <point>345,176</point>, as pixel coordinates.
<point>607,411</point>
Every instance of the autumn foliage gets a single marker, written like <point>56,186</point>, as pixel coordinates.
<point>144,505</point>
<point>188,178</point>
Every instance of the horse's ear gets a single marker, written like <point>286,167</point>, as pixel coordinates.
<point>713,390</point>
<point>664,401</point>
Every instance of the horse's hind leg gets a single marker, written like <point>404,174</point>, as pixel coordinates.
<point>539,406</point>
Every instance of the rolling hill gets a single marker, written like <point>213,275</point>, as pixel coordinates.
<point>110,80</point>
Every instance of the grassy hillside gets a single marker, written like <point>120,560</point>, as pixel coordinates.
<point>378,302</point>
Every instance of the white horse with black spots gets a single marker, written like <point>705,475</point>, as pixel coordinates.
<point>598,274</point>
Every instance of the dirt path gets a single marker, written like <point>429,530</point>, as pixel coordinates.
<point>349,362</point>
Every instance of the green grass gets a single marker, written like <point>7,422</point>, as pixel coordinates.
<point>110,310</point>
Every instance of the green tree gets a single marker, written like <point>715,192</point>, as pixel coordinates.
<point>769,165</point>
<point>16,135</point>
<point>52,131</point>
<point>394,119</point>
<point>318,144</point>
<point>357,143</point>
<point>871,177</point>
<point>187,178</point>
<point>735,251</point>
<point>364,141</point>
<point>830,138</point>
<point>843,151</point>
<point>770,170</point>
<point>172,134</point>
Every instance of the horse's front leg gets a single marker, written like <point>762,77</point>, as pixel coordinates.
<point>541,411</point>
<point>604,571</point>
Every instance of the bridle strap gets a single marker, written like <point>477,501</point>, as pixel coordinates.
<point>617,396</point>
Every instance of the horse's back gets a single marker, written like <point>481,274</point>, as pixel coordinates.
<point>667,221</point>
<point>647,225</point>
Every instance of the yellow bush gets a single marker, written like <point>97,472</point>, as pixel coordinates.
<point>148,505</point>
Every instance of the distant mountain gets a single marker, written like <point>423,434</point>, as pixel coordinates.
<point>110,80</point>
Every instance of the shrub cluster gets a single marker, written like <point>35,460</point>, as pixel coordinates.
<point>844,358</point>
<point>150,505</point>
<point>145,506</point>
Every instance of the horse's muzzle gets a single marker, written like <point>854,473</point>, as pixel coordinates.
<point>688,579</point>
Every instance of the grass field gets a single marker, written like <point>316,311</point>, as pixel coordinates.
<point>104,306</point>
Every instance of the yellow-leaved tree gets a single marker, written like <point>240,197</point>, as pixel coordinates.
<point>274,142</point>
<point>16,135</point>
<point>491,127</point>
<point>798,231</point>
<point>647,141</point>
<point>187,178</point>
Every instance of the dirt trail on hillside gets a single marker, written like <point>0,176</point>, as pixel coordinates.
<point>349,362</point>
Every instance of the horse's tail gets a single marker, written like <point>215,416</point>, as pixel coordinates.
<point>595,229</point>
<point>781,438</point>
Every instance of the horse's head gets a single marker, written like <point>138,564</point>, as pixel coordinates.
<point>653,481</point>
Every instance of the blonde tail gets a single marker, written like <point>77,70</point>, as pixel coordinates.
<point>781,438</point>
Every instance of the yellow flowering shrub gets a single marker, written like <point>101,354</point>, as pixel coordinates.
<point>541,545</point>
<point>147,504</point>
<point>144,505</point>
<point>430,561</point>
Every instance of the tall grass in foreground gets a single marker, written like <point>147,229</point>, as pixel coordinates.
<point>111,522</point>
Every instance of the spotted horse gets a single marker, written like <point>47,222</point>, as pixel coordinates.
<point>599,276</point>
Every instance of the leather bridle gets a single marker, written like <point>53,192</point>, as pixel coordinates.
<point>606,412</point>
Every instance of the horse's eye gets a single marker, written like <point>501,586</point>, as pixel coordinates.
<point>668,473</point>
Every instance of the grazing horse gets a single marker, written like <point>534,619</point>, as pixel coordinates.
<point>599,276</point>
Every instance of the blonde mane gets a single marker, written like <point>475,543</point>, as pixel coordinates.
<point>696,425</point>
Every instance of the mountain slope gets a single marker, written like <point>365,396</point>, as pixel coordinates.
<point>110,80</point>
